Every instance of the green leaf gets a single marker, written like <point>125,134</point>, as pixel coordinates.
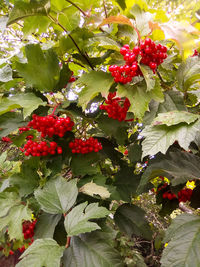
<point>7,201</point>
<point>183,247</point>
<point>42,252</point>
<point>134,152</point>
<point>142,20</point>
<point>122,3</point>
<point>94,82</point>
<point>84,164</point>
<point>42,69</point>
<point>13,220</point>
<point>177,166</point>
<point>89,250</point>
<point>113,128</point>
<point>25,9</point>
<point>69,18</point>
<point>173,101</point>
<point>27,180</point>
<point>106,42</point>
<point>160,138</point>
<point>188,73</point>
<point>175,117</point>
<point>36,23</point>
<point>28,101</point>
<point>131,220</point>
<point>46,224</point>
<point>127,182</point>
<point>77,220</point>
<point>57,196</point>
<point>148,76</point>
<point>139,97</point>
<point>9,122</point>
<point>5,74</point>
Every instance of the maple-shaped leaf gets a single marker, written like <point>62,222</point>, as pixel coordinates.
<point>42,68</point>
<point>42,252</point>
<point>77,220</point>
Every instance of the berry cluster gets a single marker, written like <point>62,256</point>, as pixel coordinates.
<point>23,129</point>
<point>151,55</point>
<point>116,107</point>
<point>37,149</point>
<point>51,125</point>
<point>6,139</point>
<point>85,146</point>
<point>184,195</point>
<point>169,195</point>
<point>28,229</point>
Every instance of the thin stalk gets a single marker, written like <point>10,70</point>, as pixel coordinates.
<point>74,42</point>
<point>83,12</point>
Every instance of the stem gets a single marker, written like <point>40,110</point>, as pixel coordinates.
<point>55,109</point>
<point>68,242</point>
<point>130,120</point>
<point>81,53</point>
<point>77,7</point>
<point>160,77</point>
<point>104,5</point>
<point>138,34</point>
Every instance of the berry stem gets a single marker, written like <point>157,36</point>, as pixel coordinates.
<point>160,77</point>
<point>129,120</point>
<point>55,109</point>
<point>138,34</point>
<point>68,242</point>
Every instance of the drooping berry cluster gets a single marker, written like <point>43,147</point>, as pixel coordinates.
<point>151,55</point>
<point>169,195</point>
<point>85,146</point>
<point>37,149</point>
<point>116,107</point>
<point>6,139</point>
<point>28,229</point>
<point>185,195</point>
<point>23,129</point>
<point>51,125</point>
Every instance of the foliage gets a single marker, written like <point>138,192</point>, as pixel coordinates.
<point>113,90</point>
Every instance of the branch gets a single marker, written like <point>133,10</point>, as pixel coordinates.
<point>83,12</point>
<point>185,209</point>
<point>160,77</point>
<point>68,242</point>
<point>74,42</point>
<point>104,6</point>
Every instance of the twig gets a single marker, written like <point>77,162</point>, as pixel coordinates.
<point>55,109</point>
<point>83,12</point>
<point>184,208</point>
<point>82,54</point>
<point>160,77</point>
<point>68,242</point>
